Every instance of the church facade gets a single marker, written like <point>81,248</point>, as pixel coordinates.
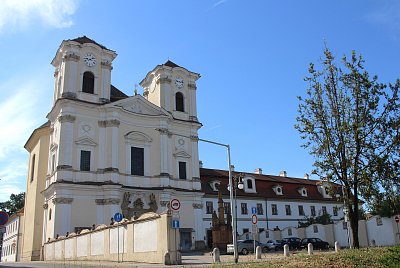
<point>103,152</point>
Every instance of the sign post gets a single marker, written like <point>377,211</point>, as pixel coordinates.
<point>175,205</point>
<point>118,218</point>
<point>254,221</point>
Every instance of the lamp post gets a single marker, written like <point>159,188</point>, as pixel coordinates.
<point>237,185</point>
<point>233,209</point>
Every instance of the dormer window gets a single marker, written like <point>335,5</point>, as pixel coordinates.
<point>215,185</point>
<point>278,189</point>
<point>249,185</point>
<point>88,83</point>
<point>303,191</point>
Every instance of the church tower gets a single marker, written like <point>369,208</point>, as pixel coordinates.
<point>83,70</point>
<point>173,88</point>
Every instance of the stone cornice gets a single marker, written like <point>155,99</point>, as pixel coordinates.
<point>66,118</point>
<point>71,56</point>
<point>192,86</point>
<point>109,123</point>
<point>163,79</point>
<point>62,200</point>
<point>68,95</point>
<point>106,64</point>
<point>108,201</point>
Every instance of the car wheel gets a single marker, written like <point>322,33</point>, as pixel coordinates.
<point>245,251</point>
<point>265,249</point>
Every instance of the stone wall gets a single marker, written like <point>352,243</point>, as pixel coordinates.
<point>146,239</point>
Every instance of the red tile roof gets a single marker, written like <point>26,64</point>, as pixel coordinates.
<point>264,185</point>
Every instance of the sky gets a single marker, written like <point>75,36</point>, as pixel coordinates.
<point>252,57</point>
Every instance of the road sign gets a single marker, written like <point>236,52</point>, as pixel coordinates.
<point>118,217</point>
<point>175,204</point>
<point>397,218</point>
<point>175,215</point>
<point>253,210</point>
<point>254,219</point>
<point>175,224</point>
<point>3,217</point>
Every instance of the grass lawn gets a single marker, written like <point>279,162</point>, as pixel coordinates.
<point>365,257</point>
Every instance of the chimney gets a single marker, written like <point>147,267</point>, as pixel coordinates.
<point>232,167</point>
<point>306,176</point>
<point>258,171</point>
<point>283,173</point>
<point>201,164</point>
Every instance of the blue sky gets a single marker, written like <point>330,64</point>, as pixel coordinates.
<point>252,55</point>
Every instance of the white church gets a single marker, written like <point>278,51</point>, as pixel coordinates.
<point>103,152</point>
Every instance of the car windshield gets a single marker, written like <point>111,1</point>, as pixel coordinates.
<point>279,241</point>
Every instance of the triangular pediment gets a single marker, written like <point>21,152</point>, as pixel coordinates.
<point>139,105</point>
<point>86,141</point>
<point>182,154</point>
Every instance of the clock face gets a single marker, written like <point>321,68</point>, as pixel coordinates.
<point>179,82</point>
<point>89,59</point>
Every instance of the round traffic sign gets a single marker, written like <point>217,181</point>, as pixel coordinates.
<point>118,217</point>
<point>3,217</point>
<point>254,219</point>
<point>175,204</point>
<point>397,218</point>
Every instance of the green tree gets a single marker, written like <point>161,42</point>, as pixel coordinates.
<point>15,203</point>
<point>350,124</point>
<point>320,219</point>
<point>386,204</point>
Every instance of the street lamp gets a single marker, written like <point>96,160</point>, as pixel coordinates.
<point>237,185</point>
<point>233,209</point>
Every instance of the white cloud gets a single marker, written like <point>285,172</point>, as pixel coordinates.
<point>388,15</point>
<point>23,110</point>
<point>21,13</point>
<point>219,3</point>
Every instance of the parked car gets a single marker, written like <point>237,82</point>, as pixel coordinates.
<point>292,242</point>
<point>316,242</point>
<point>275,244</point>
<point>246,246</point>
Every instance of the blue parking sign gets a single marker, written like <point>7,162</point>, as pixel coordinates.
<point>253,210</point>
<point>175,224</point>
<point>118,217</point>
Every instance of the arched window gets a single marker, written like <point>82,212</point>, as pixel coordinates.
<point>88,83</point>
<point>179,102</point>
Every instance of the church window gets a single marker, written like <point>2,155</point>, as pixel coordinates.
<point>301,210</point>
<point>179,102</point>
<point>288,210</point>
<point>33,167</point>
<point>85,160</point>
<point>209,207</point>
<point>243,208</point>
<point>182,170</point>
<point>274,209</point>
<point>137,161</point>
<point>88,83</point>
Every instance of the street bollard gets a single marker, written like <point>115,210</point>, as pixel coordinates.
<point>310,249</point>
<point>258,253</point>
<point>216,255</point>
<point>167,258</point>
<point>286,250</point>
<point>337,246</point>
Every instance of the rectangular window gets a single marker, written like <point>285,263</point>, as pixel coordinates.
<point>244,208</point>
<point>274,209</point>
<point>315,228</point>
<point>85,160</point>
<point>324,212</point>
<point>137,161</point>
<point>335,211</point>
<point>313,211</point>
<point>227,207</point>
<point>289,232</point>
<point>245,230</point>
<point>182,170</point>
<point>301,210</point>
<point>288,210</point>
<point>260,209</point>
<point>209,207</point>
<point>33,167</point>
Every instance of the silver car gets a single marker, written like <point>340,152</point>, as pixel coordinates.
<point>246,246</point>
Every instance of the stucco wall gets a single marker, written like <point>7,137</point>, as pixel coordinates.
<point>144,240</point>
